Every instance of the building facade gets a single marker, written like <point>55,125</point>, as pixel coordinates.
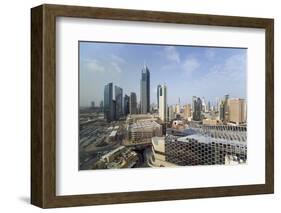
<point>188,151</point>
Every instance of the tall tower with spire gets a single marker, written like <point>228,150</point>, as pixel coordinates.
<point>145,90</point>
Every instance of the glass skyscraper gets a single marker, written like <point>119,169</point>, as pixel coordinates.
<point>197,108</point>
<point>158,87</point>
<point>119,100</point>
<point>133,103</point>
<point>145,90</point>
<point>126,104</point>
<point>108,102</point>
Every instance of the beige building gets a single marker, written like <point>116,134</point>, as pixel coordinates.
<point>187,111</point>
<point>141,117</point>
<point>177,109</point>
<point>143,130</point>
<point>237,111</point>
<point>210,121</point>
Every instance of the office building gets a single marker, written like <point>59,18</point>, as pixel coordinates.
<point>226,108</point>
<point>221,111</point>
<point>119,101</point>
<point>209,108</point>
<point>145,90</point>
<point>171,114</point>
<point>177,109</point>
<point>133,103</point>
<point>158,87</point>
<point>197,108</point>
<point>126,105</point>
<point>109,107</point>
<point>101,105</point>
<point>203,105</point>
<point>187,111</point>
<point>237,111</point>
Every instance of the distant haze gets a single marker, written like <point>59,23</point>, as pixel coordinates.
<point>187,71</point>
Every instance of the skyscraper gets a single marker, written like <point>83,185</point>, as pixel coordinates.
<point>177,109</point>
<point>126,105</point>
<point>158,87</point>
<point>221,111</point>
<point>163,103</point>
<point>171,114</point>
<point>145,90</point>
<point>108,102</point>
<point>237,110</point>
<point>119,100</point>
<point>209,106</point>
<point>203,105</point>
<point>101,105</point>
<point>226,110</point>
<point>133,103</point>
<point>197,108</point>
<point>187,111</point>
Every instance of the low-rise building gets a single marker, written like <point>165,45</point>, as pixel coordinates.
<point>120,157</point>
<point>198,149</point>
<point>210,121</point>
<point>143,130</point>
<point>158,157</point>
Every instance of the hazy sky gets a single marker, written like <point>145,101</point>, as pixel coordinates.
<point>187,70</point>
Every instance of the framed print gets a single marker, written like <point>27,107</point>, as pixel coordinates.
<point>136,106</point>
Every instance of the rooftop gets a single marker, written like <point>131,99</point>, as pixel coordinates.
<point>207,139</point>
<point>144,124</point>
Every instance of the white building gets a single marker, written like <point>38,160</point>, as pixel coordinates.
<point>163,102</point>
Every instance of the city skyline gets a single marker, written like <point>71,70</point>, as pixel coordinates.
<point>187,71</point>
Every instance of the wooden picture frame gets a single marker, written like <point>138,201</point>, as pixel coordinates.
<point>43,105</point>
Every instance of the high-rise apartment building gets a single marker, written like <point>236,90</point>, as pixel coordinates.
<point>163,103</point>
<point>145,90</point>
